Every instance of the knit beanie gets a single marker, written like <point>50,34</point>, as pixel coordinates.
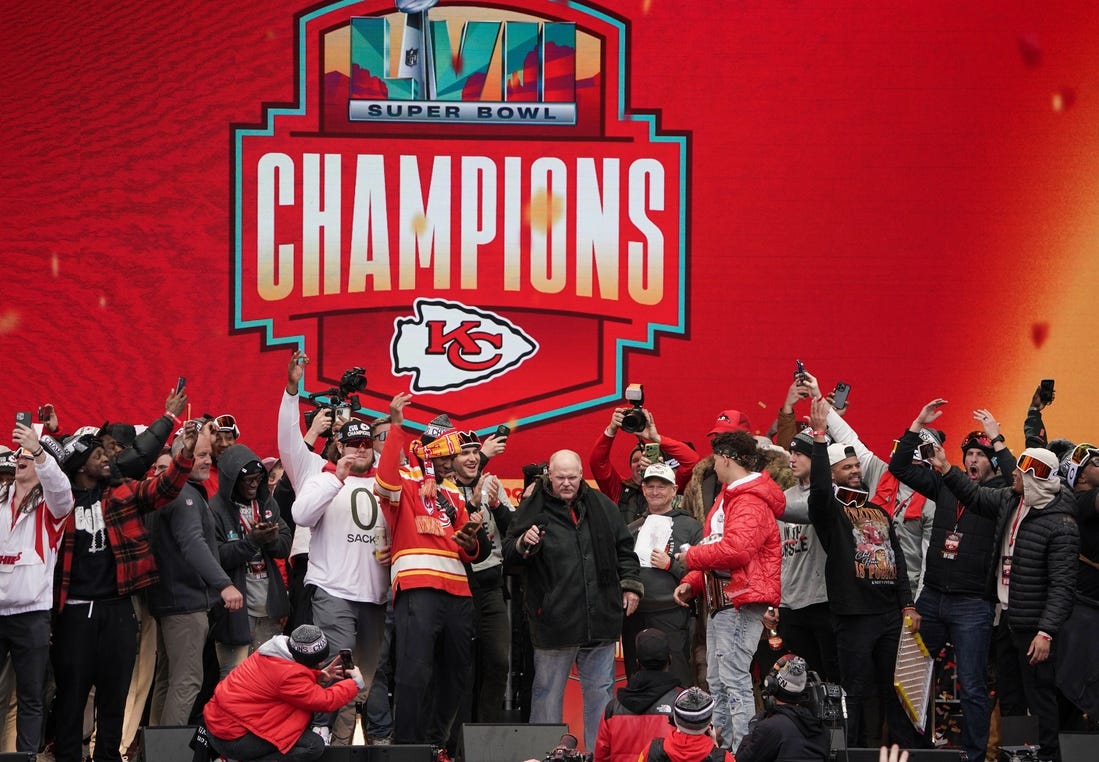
<point>308,645</point>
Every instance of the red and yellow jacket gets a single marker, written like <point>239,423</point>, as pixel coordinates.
<point>424,553</point>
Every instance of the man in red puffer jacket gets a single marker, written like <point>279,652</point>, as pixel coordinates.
<point>264,706</point>
<point>739,566</point>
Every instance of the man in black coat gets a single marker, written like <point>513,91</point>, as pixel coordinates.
<point>1033,574</point>
<point>581,574</point>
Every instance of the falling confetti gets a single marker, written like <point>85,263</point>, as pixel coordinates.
<point>545,210</point>
<point>1063,99</point>
<point>419,224</point>
<point>1039,332</point>
<point>103,300</point>
<point>1031,51</point>
<point>55,264</point>
<point>762,405</point>
<point>646,6</point>
<point>9,321</point>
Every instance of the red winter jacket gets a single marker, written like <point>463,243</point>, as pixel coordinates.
<point>272,696</point>
<point>748,546</point>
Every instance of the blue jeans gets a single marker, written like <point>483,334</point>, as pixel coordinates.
<point>966,622</point>
<point>595,666</point>
<point>731,638</point>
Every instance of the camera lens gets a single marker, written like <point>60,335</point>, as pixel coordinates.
<point>634,421</point>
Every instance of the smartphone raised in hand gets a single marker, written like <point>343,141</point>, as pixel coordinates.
<point>651,451</point>
<point>839,395</point>
<point>23,417</point>
<point>345,659</point>
<point>180,383</point>
<point>1045,391</point>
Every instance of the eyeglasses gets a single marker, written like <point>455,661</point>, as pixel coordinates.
<point>359,442</point>
<point>381,436</point>
<point>227,423</point>
<point>1038,468</point>
<point>1083,454</point>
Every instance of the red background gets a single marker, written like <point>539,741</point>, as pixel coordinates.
<point>888,191</point>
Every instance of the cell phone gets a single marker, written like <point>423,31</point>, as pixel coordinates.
<point>471,526</point>
<point>799,370</point>
<point>23,418</point>
<point>1045,391</point>
<point>343,415</point>
<point>651,451</point>
<point>839,395</point>
<point>45,413</point>
<point>926,451</point>
<point>180,383</point>
<point>345,659</point>
<point>502,431</point>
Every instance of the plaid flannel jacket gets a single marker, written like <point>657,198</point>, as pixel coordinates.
<point>124,505</point>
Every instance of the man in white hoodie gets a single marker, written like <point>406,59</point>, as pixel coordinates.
<point>33,509</point>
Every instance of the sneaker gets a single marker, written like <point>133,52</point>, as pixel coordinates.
<point>387,741</point>
<point>324,732</point>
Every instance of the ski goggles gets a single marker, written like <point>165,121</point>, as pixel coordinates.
<point>1038,468</point>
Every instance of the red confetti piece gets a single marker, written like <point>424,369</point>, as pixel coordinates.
<point>1039,332</point>
<point>1031,51</point>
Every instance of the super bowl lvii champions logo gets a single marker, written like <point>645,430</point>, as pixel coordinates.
<point>464,198</point>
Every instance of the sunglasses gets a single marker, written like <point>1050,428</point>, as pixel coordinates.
<point>1038,468</point>
<point>23,453</point>
<point>381,436</point>
<point>1083,454</point>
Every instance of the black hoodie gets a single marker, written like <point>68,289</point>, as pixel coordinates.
<point>786,733</point>
<point>236,548</point>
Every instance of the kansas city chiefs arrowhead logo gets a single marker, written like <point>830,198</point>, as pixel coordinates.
<point>449,345</point>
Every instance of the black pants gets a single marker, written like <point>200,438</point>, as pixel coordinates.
<point>434,655</point>
<point>492,648</point>
<point>867,650</point>
<point>675,623</point>
<point>94,644</point>
<point>26,638</point>
<point>1040,690</point>
<point>808,633</point>
<point>252,748</point>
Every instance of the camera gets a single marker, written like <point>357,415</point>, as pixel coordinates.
<point>634,420</point>
<point>343,399</point>
<point>826,701</point>
<point>566,750</point>
<point>532,471</point>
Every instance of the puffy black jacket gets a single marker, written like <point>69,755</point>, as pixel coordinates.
<point>566,602</point>
<point>1047,546</point>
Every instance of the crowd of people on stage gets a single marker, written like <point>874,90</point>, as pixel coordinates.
<point>169,574</point>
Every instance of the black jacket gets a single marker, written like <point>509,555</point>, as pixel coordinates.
<point>966,573</point>
<point>576,575</point>
<point>1043,568</point>
<point>185,546</point>
<point>787,733</point>
<point>660,584</point>
<point>236,548</point>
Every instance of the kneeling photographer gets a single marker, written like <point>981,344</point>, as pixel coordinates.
<point>790,728</point>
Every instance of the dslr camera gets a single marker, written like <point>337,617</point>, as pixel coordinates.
<point>343,398</point>
<point>633,419</point>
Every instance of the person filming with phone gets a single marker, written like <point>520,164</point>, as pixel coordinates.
<point>264,707</point>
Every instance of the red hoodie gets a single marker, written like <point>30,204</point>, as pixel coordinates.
<point>683,747</point>
<point>741,537</point>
